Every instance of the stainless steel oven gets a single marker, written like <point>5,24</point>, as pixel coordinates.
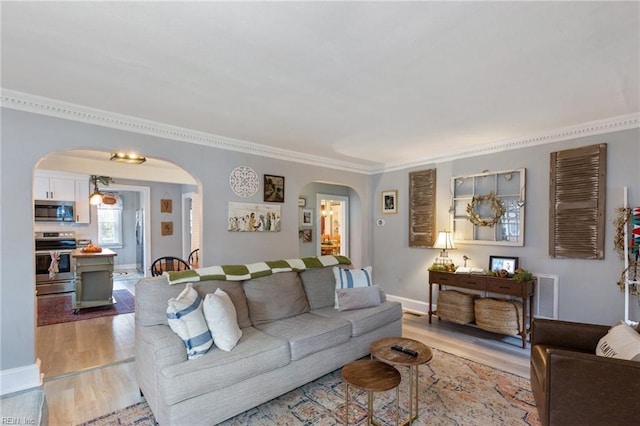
<point>54,263</point>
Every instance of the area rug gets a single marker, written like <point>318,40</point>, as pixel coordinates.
<point>452,391</point>
<point>58,309</point>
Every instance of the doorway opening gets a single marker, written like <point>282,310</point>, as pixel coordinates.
<point>333,225</point>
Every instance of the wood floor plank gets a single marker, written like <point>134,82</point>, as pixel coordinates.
<point>101,351</point>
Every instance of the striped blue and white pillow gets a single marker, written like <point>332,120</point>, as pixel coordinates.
<point>352,278</point>
<point>185,317</point>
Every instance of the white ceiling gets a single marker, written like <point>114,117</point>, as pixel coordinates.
<point>370,83</point>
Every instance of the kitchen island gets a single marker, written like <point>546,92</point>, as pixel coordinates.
<point>93,276</point>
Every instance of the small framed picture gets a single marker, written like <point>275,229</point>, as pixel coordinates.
<point>167,228</point>
<point>302,202</point>
<point>165,205</point>
<point>306,219</point>
<point>273,189</point>
<point>307,235</point>
<point>390,202</point>
<point>509,264</point>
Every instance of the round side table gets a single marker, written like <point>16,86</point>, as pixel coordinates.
<point>372,376</point>
<point>381,349</point>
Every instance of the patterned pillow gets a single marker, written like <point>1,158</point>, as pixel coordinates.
<point>185,317</point>
<point>351,278</point>
<point>222,320</point>
<point>622,341</point>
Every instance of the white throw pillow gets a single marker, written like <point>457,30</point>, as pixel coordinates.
<point>351,278</point>
<point>184,315</point>
<point>358,298</point>
<point>221,317</point>
<point>621,341</point>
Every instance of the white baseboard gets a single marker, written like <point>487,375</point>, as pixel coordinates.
<point>20,378</point>
<point>125,266</point>
<point>410,305</point>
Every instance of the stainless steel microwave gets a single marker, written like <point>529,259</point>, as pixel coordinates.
<point>54,211</point>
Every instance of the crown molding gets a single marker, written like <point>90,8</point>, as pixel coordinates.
<point>592,128</point>
<point>45,106</point>
<point>68,111</point>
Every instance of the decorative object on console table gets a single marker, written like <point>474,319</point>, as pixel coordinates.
<point>498,263</point>
<point>504,286</point>
<point>444,243</point>
<point>390,202</point>
<point>273,189</point>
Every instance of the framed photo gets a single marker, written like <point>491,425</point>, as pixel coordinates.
<point>307,235</point>
<point>274,189</point>
<point>165,205</point>
<point>307,218</point>
<point>390,202</point>
<point>302,202</point>
<point>250,217</point>
<point>167,228</point>
<point>510,264</point>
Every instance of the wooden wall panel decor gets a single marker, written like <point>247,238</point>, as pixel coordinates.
<point>422,208</point>
<point>577,198</point>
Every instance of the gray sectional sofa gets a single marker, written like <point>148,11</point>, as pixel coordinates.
<point>291,335</point>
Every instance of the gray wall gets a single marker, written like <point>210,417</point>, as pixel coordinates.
<point>587,287</point>
<point>27,137</point>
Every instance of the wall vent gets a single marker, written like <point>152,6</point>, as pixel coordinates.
<point>546,296</point>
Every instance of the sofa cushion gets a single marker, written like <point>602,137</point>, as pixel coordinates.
<point>622,341</point>
<point>222,321</point>
<point>357,298</point>
<point>320,286</point>
<point>256,353</point>
<point>367,319</point>
<point>185,317</point>
<point>308,333</point>
<point>156,291</point>
<point>351,278</point>
<point>275,297</point>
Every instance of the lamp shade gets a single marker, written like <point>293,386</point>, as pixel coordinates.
<point>444,241</point>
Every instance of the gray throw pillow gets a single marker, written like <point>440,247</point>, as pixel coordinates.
<point>275,297</point>
<point>358,298</point>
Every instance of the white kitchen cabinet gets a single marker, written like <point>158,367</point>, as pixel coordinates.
<point>82,201</point>
<point>54,188</point>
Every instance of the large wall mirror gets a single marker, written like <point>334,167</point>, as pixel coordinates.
<point>488,208</point>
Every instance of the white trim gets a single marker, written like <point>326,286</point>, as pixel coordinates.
<point>20,378</point>
<point>68,111</point>
<point>65,110</point>
<point>146,194</point>
<point>411,305</point>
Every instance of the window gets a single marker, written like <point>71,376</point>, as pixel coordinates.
<point>110,223</point>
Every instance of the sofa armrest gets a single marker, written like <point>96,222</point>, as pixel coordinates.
<point>161,345</point>
<point>588,389</point>
<point>565,334</point>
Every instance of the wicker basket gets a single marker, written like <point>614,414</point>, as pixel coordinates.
<point>499,315</point>
<point>456,306</point>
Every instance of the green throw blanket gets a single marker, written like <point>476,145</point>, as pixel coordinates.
<point>253,270</point>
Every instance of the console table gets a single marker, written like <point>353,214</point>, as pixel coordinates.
<point>496,285</point>
<point>93,279</point>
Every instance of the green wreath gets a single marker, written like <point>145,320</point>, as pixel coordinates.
<point>496,208</point>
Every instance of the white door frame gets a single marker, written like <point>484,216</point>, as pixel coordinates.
<point>344,227</point>
<point>145,202</point>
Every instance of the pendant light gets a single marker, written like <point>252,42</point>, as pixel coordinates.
<point>97,197</point>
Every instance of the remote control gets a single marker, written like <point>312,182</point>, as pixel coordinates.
<point>405,350</point>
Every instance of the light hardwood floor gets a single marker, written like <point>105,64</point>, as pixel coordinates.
<point>89,368</point>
